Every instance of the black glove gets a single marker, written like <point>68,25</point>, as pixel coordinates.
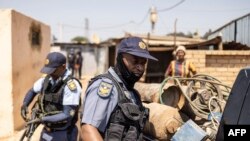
<point>24,112</point>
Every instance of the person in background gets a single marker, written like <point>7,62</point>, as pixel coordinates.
<point>180,66</point>
<point>112,109</point>
<point>71,61</point>
<point>78,64</point>
<point>59,100</point>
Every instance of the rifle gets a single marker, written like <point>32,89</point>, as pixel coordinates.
<point>30,125</point>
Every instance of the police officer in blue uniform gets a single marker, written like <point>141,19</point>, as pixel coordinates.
<point>112,108</point>
<point>59,99</point>
<point>71,61</point>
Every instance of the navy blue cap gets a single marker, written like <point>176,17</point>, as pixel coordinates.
<point>53,61</point>
<point>135,46</point>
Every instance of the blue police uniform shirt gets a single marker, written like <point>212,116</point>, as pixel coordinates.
<point>97,109</point>
<point>69,97</point>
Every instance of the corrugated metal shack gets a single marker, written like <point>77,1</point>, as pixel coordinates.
<point>159,46</point>
<point>162,47</point>
<point>211,57</point>
<point>235,34</point>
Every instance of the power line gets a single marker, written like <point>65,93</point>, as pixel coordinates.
<point>143,20</point>
<point>105,27</point>
<point>73,26</point>
<point>169,8</point>
<point>124,24</point>
<point>113,26</point>
<point>216,10</point>
<point>110,27</point>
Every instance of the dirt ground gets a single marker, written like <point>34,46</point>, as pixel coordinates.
<point>17,134</point>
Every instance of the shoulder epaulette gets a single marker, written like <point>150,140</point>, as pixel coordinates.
<point>71,84</point>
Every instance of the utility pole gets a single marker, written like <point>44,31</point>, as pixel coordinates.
<point>153,18</point>
<point>175,24</point>
<point>60,32</point>
<point>87,28</point>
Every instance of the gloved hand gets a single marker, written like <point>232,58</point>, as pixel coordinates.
<point>24,112</point>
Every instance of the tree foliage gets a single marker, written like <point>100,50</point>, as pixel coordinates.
<point>80,39</point>
<point>190,35</point>
<point>181,34</point>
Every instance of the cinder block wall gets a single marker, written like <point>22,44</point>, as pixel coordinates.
<point>223,65</point>
<point>21,60</point>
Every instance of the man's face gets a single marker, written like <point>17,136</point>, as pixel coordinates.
<point>58,72</point>
<point>180,55</point>
<point>134,64</point>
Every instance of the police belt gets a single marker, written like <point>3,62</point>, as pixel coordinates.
<point>49,129</point>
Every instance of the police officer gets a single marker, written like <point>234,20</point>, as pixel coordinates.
<point>78,64</point>
<point>59,97</point>
<point>71,61</point>
<point>112,109</point>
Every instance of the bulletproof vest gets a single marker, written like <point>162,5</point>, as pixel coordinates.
<point>51,99</point>
<point>71,58</point>
<point>127,119</point>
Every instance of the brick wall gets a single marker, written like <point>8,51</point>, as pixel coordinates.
<point>223,65</point>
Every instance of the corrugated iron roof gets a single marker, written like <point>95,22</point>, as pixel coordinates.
<point>237,31</point>
<point>155,40</point>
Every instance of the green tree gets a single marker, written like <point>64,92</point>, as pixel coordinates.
<point>80,39</point>
<point>181,34</point>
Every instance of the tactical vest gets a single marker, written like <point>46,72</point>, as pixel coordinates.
<point>127,119</point>
<point>50,101</point>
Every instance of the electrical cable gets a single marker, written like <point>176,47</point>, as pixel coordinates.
<point>169,8</point>
<point>143,20</point>
<point>195,104</point>
<point>110,27</point>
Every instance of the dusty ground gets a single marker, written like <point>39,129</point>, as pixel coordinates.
<point>16,136</point>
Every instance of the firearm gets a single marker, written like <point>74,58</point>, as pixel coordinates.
<point>31,126</point>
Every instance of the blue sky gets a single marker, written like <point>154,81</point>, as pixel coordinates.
<point>111,18</point>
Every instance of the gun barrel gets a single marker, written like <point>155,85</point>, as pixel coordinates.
<point>23,136</point>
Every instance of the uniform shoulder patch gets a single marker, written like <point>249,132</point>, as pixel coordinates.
<point>104,89</point>
<point>71,84</point>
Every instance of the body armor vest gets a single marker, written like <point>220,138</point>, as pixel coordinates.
<point>50,102</point>
<point>127,120</point>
